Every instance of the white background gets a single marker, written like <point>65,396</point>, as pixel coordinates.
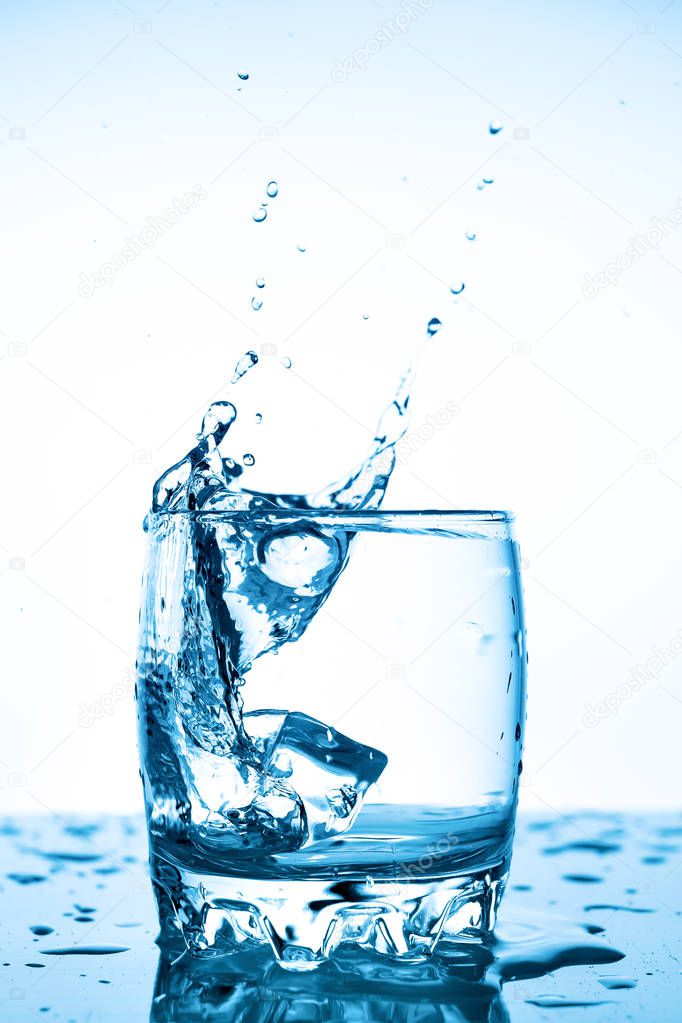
<point>569,401</point>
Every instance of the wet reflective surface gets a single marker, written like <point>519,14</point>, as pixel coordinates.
<point>591,927</point>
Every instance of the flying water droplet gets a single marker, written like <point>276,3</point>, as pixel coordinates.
<point>258,417</point>
<point>260,283</point>
<point>272,189</point>
<point>301,248</point>
<point>458,288</point>
<point>248,459</point>
<point>243,76</point>
<point>365,316</point>
<point>488,181</point>
<point>259,215</point>
<point>471,236</point>
<point>495,127</point>
<point>247,361</point>
<point>286,362</point>
<point>433,326</point>
<point>256,303</point>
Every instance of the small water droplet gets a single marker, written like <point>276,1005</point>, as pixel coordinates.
<point>365,316</point>
<point>286,362</point>
<point>458,288</point>
<point>301,248</point>
<point>488,181</point>
<point>248,459</point>
<point>433,326</point>
<point>260,283</point>
<point>256,303</point>
<point>471,236</point>
<point>258,417</point>
<point>247,361</point>
<point>617,983</point>
<point>272,189</point>
<point>259,215</point>
<point>495,127</point>
<point>243,76</point>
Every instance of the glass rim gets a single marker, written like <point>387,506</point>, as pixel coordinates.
<point>458,515</point>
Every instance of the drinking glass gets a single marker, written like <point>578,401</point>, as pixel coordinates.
<point>331,709</point>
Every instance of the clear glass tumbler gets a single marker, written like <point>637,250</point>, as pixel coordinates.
<point>331,711</point>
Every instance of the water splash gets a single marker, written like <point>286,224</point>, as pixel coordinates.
<point>244,364</point>
<point>209,475</point>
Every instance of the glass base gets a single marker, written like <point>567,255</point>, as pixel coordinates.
<point>305,922</point>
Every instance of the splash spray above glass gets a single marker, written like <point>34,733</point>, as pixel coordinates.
<point>273,826</point>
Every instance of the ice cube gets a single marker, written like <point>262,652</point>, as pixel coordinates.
<point>329,772</point>
<point>235,806</point>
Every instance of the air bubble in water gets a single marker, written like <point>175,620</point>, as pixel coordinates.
<point>260,215</point>
<point>433,326</point>
<point>458,288</point>
<point>256,303</point>
<point>247,361</point>
<point>272,189</point>
<point>495,127</point>
<point>260,283</point>
<point>243,76</point>
<point>248,459</point>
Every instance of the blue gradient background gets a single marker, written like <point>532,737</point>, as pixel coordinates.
<point>122,111</point>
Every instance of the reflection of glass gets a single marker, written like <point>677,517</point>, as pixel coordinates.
<point>377,809</point>
<point>252,989</point>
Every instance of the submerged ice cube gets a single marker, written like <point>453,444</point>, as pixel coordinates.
<point>235,806</point>
<point>329,772</point>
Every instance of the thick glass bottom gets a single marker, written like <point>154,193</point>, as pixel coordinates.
<point>305,922</point>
